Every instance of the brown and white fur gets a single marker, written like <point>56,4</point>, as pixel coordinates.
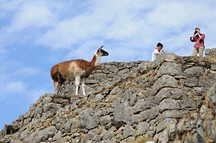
<point>76,69</point>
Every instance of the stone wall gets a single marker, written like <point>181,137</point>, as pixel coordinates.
<point>172,100</point>
<point>210,52</point>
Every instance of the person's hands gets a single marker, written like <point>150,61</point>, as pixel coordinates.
<point>197,34</point>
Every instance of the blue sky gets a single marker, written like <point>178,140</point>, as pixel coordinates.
<point>36,34</point>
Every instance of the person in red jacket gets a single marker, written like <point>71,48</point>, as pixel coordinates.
<point>199,47</point>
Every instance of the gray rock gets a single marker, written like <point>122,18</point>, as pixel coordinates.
<point>213,67</point>
<point>128,131</point>
<point>211,95</point>
<point>16,141</point>
<point>173,114</point>
<point>167,124</point>
<point>170,68</point>
<point>169,104</point>
<point>142,128</point>
<point>67,126</point>
<point>149,114</point>
<point>88,119</point>
<point>195,71</point>
<point>169,57</point>
<point>163,137</point>
<point>130,95</point>
<point>116,90</point>
<point>142,105</point>
<point>211,132</point>
<point>174,93</point>
<point>122,112</point>
<point>105,120</point>
<point>191,82</point>
<point>188,103</point>
<point>206,83</point>
<point>204,111</point>
<point>210,52</point>
<point>42,135</point>
<point>58,138</point>
<point>132,99</point>
<point>99,97</point>
<point>108,135</point>
<point>165,81</point>
<point>143,67</point>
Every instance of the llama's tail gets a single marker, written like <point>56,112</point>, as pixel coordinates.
<point>56,75</point>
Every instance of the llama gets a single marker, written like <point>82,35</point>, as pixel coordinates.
<point>76,69</point>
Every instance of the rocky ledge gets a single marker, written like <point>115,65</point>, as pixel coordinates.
<point>172,100</point>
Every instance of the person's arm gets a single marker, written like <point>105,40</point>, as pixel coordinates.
<point>162,51</point>
<point>192,38</point>
<point>202,36</point>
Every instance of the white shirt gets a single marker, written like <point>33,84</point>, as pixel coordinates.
<point>156,53</point>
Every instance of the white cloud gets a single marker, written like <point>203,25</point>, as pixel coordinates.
<point>22,19</point>
<point>136,23</point>
<point>14,79</point>
<point>86,51</point>
<point>20,88</point>
<point>34,15</point>
<point>178,14</point>
<point>73,25</point>
<point>101,20</point>
<point>9,5</point>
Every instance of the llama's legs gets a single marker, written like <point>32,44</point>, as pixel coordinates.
<point>77,82</point>
<point>55,86</point>
<point>83,87</point>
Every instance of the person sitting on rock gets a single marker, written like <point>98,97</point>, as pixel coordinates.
<point>157,51</point>
<point>199,47</point>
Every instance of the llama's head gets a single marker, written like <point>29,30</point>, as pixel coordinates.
<point>101,52</point>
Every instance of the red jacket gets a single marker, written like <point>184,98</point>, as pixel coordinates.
<point>199,40</point>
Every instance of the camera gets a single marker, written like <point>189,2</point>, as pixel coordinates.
<point>196,34</point>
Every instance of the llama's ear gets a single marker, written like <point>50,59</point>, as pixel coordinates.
<point>101,47</point>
